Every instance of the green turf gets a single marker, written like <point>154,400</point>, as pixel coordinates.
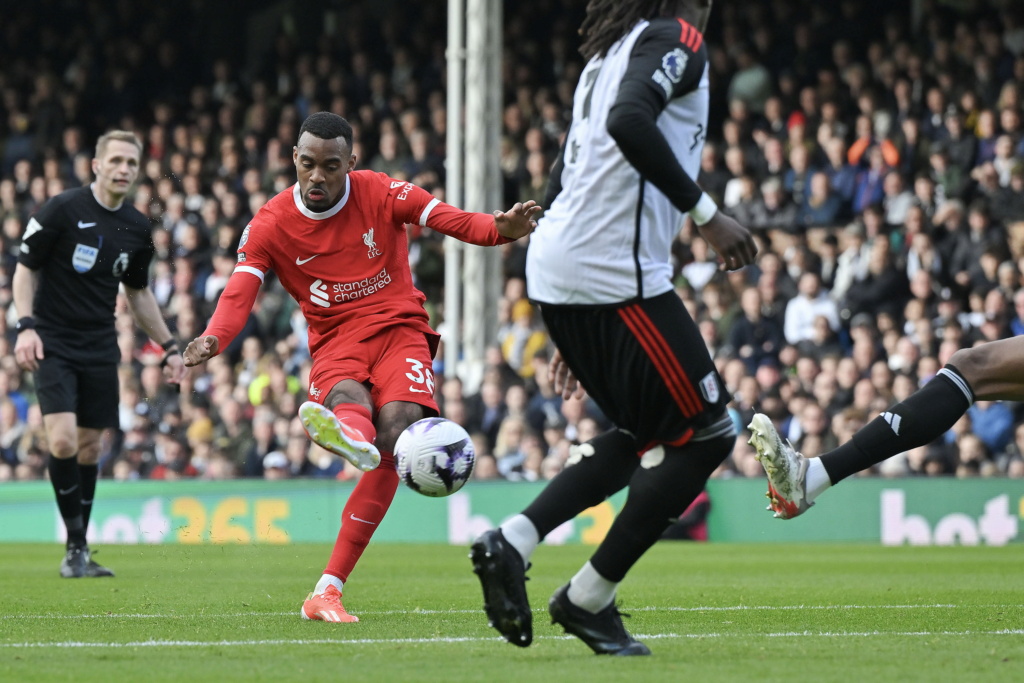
<point>708,612</point>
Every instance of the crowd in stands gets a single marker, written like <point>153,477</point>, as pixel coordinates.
<point>880,164</point>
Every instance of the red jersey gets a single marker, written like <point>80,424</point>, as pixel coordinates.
<point>348,267</point>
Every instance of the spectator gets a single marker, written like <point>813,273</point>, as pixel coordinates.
<point>754,337</point>
<point>801,311</point>
<point>821,206</point>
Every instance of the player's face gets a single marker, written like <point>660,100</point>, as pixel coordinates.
<point>116,170</point>
<point>321,166</point>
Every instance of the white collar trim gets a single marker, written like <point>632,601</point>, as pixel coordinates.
<point>304,210</point>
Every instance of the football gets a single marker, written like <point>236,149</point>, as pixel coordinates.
<point>434,456</point>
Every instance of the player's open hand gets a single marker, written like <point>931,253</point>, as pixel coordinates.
<point>518,221</point>
<point>731,241</point>
<point>200,350</point>
<point>28,350</point>
<point>562,379</point>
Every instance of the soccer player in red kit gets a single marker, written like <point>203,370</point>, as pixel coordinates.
<point>336,241</point>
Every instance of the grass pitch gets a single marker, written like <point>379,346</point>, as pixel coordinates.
<point>708,613</point>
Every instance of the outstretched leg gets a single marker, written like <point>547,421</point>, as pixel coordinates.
<point>991,372</point>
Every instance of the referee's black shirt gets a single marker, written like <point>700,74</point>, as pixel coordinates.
<point>83,251</point>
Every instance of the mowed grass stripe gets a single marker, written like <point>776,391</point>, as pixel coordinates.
<point>434,612</point>
<point>471,639</point>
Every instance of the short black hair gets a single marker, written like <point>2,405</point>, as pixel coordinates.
<point>327,126</point>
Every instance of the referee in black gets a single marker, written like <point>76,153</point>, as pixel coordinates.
<point>77,250</point>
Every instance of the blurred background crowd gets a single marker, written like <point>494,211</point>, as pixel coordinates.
<point>879,160</point>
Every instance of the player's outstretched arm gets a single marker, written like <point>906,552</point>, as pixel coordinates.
<point>200,350</point>
<point>519,221</point>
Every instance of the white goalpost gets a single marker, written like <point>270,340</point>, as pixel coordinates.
<point>472,274</point>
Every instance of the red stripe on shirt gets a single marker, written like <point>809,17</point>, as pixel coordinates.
<point>689,36</point>
<point>684,31</point>
<point>657,355</point>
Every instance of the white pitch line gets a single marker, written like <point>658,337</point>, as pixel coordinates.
<point>445,641</point>
<point>730,608</point>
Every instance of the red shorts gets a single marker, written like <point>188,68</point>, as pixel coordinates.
<point>397,364</point>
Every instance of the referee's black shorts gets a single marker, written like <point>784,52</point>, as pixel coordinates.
<point>88,389</point>
<point>644,363</point>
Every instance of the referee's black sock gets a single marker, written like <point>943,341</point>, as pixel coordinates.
<point>67,486</point>
<point>916,421</point>
<point>87,475</point>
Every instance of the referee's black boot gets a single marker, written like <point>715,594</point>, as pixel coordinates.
<point>603,632</point>
<point>94,570</point>
<point>503,579</point>
<point>75,563</point>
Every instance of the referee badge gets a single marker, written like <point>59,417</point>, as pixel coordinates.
<point>709,387</point>
<point>120,265</point>
<point>84,257</point>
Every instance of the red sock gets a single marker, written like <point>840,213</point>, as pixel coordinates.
<point>364,510</point>
<point>355,415</point>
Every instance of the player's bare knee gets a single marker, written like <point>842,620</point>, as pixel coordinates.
<point>63,447</point>
<point>387,436</point>
<point>972,364</point>
<point>394,418</point>
<point>348,392</point>
<point>89,455</point>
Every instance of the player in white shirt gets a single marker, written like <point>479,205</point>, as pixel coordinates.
<point>599,266</point>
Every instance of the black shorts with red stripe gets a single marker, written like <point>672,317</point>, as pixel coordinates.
<point>645,364</point>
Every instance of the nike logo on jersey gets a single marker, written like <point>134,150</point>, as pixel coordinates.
<point>299,261</point>
<point>364,521</point>
<point>82,225</point>
<point>65,492</point>
<point>417,391</point>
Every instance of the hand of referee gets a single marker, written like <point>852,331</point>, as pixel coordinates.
<point>200,350</point>
<point>731,241</point>
<point>174,369</point>
<point>28,350</point>
<point>518,221</point>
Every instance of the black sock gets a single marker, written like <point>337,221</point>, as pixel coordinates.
<point>87,475</point>
<point>917,421</point>
<point>657,496</point>
<point>68,488</point>
<point>583,485</point>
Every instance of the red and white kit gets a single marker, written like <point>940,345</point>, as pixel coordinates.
<point>348,268</point>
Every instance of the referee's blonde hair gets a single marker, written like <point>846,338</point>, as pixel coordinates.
<point>122,136</point>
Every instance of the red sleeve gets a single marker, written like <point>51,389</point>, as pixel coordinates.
<point>412,204</point>
<point>474,228</point>
<point>233,307</point>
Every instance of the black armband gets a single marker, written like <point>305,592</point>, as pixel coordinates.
<point>171,343</point>
<point>25,323</point>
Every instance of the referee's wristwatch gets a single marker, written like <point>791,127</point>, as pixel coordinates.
<point>26,323</point>
<point>170,348</point>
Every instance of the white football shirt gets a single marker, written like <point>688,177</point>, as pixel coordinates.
<point>607,236</point>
